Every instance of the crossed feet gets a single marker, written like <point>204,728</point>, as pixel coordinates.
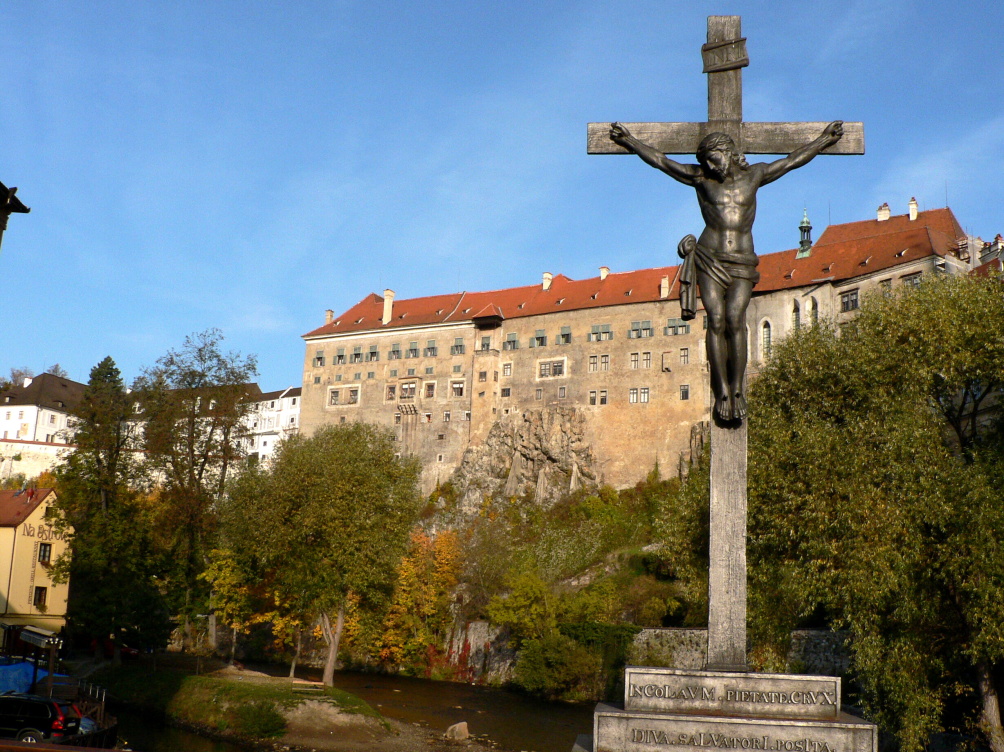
<point>730,407</point>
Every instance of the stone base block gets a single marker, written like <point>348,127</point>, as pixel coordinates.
<point>667,690</point>
<point>583,743</point>
<point>619,730</point>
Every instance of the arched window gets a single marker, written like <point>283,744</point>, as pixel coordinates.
<point>796,317</point>
<point>813,311</point>
<point>765,340</point>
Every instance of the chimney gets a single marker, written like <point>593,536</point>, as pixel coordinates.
<point>883,213</point>
<point>664,287</point>
<point>912,206</point>
<point>604,271</point>
<point>547,281</point>
<point>329,316</point>
<point>388,306</point>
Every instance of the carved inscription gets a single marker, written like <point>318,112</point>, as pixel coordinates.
<point>785,698</point>
<point>669,692</point>
<point>726,741</point>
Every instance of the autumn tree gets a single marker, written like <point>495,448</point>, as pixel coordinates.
<point>113,564</point>
<point>194,402</point>
<point>326,521</point>
<point>876,502</point>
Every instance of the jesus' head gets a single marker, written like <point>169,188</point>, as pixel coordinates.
<point>717,153</point>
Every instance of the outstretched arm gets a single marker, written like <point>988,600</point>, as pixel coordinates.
<point>686,174</point>
<point>804,154</point>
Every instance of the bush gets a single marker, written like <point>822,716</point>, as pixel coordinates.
<point>557,667</point>
<point>260,719</point>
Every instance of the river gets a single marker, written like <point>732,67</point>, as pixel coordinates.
<point>513,721</point>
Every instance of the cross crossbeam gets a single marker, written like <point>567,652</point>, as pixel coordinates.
<point>725,114</point>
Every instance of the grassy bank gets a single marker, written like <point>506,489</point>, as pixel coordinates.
<point>240,705</point>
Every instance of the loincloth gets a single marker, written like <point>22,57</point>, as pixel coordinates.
<point>721,267</point>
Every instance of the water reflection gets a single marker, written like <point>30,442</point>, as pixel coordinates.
<point>144,734</point>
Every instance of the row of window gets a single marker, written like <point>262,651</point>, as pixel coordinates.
<point>849,301</point>
<point>427,418</point>
<point>597,333</point>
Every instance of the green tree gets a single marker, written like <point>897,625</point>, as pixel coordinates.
<point>327,520</point>
<point>113,564</point>
<point>875,500</point>
<point>195,402</point>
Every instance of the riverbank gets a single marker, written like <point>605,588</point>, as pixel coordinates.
<point>261,712</point>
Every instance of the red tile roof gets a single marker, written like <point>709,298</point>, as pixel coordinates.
<point>842,252</point>
<point>993,268</point>
<point>16,506</point>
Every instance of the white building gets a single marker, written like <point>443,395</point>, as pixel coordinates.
<point>275,416</point>
<point>35,423</point>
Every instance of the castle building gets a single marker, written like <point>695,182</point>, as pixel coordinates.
<point>611,354</point>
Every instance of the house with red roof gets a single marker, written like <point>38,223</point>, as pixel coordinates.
<point>594,379</point>
<point>29,547</point>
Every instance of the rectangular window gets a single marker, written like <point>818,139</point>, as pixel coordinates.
<point>430,349</point>
<point>41,594</point>
<point>357,376</point>
<point>592,398</point>
<point>545,370</point>
<point>848,301</point>
<point>333,397</point>
<point>353,396</point>
<point>430,389</point>
<point>633,395</point>
<point>408,391</point>
<point>511,342</point>
<point>429,371</point>
<point>45,552</point>
<point>679,326</point>
<point>446,416</point>
<point>562,392</point>
<point>391,392</point>
<point>565,338</point>
<point>427,417</point>
<point>482,375</point>
<point>640,330</point>
<point>458,369</point>
<point>685,391</point>
<point>635,361</point>
<point>551,368</point>
<point>357,355</point>
<point>412,351</point>
<point>393,373</point>
<point>371,374</point>
<point>643,394</point>
<point>395,352</point>
<point>604,362</point>
<point>486,343</point>
<point>340,357</point>
<point>318,361</point>
<point>600,333</point>
<point>507,369</point>
<point>646,360</point>
<point>539,394</point>
<point>539,339</point>
<point>506,391</point>
<point>457,388</point>
<point>603,396</point>
<point>397,419</point>
<point>411,371</point>
<point>373,355</point>
<point>911,280</point>
<point>458,346</point>
<point>684,356</point>
<point>467,415</point>
<point>593,363</point>
<point>885,286</point>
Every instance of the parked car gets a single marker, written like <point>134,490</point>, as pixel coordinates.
<point>30,718</point>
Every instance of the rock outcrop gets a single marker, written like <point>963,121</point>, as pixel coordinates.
<point>537,453</point>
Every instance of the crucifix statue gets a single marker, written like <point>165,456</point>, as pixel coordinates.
<point>10,204</point>
<point>723,264</point>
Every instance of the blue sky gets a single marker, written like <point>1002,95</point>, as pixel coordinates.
<point>246,165</point>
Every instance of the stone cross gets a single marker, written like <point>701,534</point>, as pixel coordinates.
<point>724,57</point>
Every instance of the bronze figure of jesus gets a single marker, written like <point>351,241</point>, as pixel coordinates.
<point>723,255</point>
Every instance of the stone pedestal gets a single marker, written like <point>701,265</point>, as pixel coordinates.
<point>727,710</point>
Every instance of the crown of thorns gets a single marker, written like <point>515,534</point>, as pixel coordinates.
<point>714,142</point>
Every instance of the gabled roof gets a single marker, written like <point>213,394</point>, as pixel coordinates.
<point>17,506</point>
<point>45,390</point>
<point>842,252</point>
<point>993,268</point>
<point>289,391</point>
